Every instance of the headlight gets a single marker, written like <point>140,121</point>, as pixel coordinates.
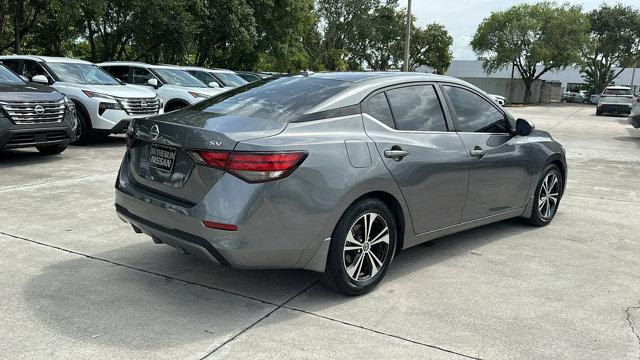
<point>198,95</point>
<point>93,94</point>
<point>109,106</point>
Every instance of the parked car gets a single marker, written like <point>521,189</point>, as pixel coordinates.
<point>634,117</point>
<point>175,87</point>
<point>615,100</point>
<point>34,115</point>
<point>575,97</point>
<point>216,78</point>
<point>252,76</point>
<point>501,100</point>
<point>334,172</point>
<point>103,105</point>
<point>594,99</point>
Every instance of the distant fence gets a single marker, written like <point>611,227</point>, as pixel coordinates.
<point>541,91</point>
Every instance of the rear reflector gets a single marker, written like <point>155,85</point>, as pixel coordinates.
<point>219,226</point>
<point>252,167</point>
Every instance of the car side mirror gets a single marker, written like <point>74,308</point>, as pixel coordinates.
<point>524,127</point>
<point>154,83</point>
<point>40,79</point>
<point>214,84</point>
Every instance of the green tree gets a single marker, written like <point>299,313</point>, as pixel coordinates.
<point>614,41</point>
<point>528,35</point>
<point>430,47</point>
<point>378,37</point>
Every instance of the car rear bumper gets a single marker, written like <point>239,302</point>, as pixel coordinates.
<point>269,235</point>
<point>20,136</point>
<point>615,108</point>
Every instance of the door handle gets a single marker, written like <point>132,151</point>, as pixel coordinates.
<point>395,153</point>
<point>477,152</point>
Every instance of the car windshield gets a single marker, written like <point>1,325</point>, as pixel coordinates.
<point>79,73</point>
<point>179,77</point>
<point>279,99</point>
<point>7,77</point>
<point>617,92</point>
<point>231,79</point>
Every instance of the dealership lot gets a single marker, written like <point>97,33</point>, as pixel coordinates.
<point>77,282</point>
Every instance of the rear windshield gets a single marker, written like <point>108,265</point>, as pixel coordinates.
<point>281,99</point>
<point>617,92</point>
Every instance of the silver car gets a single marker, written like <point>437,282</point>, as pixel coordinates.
<point>334,172</point>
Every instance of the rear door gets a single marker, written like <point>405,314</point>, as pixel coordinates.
<point>499,172</point>
<point>429,163</point>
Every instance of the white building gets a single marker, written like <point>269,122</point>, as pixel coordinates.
<point>568,76</point>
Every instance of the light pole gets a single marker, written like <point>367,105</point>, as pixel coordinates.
<point>407,38</point>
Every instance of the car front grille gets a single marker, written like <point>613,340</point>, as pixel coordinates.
<point>34,112</point>
<point>140,106</point>
<point>36,137</point>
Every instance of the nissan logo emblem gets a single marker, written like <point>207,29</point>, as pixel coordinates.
<point>39,109</point>
<point>143,104</point>
<point>155,132</point>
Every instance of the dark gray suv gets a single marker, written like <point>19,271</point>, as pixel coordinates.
<point>334,172</point>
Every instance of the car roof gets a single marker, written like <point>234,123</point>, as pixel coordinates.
<point>50,59</point>
<point>214,70</point>
<point>618,88</point>
<point>138,63</point>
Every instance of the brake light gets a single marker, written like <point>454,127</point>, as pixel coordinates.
<point>219,226</point>
<point>252,167</point>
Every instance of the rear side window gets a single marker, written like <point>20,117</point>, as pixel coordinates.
<point>417,108</point>
<point>11,64</point>
<point>281,99</point>
<point>378,107</point>
<point>475,114</point>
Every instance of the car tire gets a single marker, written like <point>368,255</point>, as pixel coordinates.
<point>51,149</point>
<point>564,101</point>
<point>598,112</point>
<point>362,247</point>
<point>83,130</point>
<point>544,205</point>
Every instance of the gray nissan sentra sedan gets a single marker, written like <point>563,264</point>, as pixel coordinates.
<point>334,172</point>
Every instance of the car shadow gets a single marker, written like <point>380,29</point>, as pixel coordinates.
<point>25,157</point>
<point>80,297</point>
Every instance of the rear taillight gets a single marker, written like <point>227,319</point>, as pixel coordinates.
<point>252,167</point>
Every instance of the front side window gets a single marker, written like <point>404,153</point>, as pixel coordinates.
<point>80,73</point>
<point>475,114</point>
<point>378,107</point>
<point>230,79</point>
<point>203,76</point>
<point>141,76</point>
<point>7,77</point>
<point>417,108</point>
<point>179,77</point>
<point>119,72</point>
<point>32,68</point>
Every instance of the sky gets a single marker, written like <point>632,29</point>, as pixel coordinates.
<point>462,17</point>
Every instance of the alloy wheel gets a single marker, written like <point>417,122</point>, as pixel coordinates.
<point>366,247</point>
<point>548,197</point>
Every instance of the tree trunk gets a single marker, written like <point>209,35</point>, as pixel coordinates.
<point>17,25</point>
<point>527,91</point>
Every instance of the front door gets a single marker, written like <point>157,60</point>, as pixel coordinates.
<point>499,162</point>
<point>428,162</point>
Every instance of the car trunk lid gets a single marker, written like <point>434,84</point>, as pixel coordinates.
<point>158,156</point>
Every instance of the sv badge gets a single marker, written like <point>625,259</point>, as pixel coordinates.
<point>215,143</point>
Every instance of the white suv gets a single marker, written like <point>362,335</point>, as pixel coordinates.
<point>103,104</point>
<point>176,87</point>
<point>215,78</point>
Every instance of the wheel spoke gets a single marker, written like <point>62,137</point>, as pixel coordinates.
<point>548,209</point>
<point>554,198</point>
<point>354,269</point>
<point>374,257</point>
<point>351,239</point>
<point>541,204</point>
<point>374,266</point>
<point>369,219</point>
<point>553,180</point>
<point>383,236</point>
<point>351,248</point>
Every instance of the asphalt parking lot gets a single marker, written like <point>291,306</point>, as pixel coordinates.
<point>79,283</point>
